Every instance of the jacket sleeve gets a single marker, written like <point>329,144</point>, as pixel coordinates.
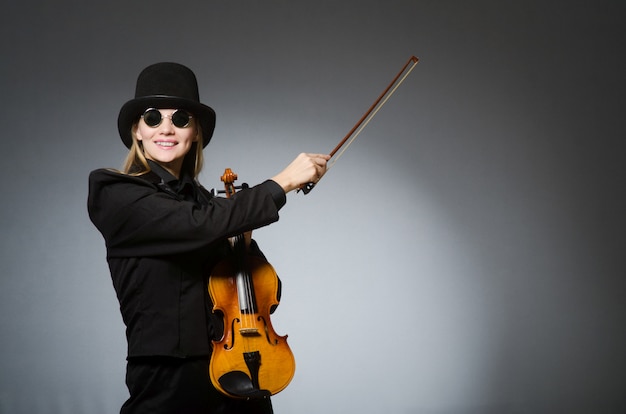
<point>136,219</point>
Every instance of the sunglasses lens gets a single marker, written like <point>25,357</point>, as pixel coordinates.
<point>152,117</point>
<point>180,118</point>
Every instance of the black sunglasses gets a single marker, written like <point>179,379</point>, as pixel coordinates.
<point>153,118</point>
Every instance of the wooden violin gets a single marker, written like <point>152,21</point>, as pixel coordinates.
<point>250,360</point>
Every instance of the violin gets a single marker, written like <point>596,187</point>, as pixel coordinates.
<point>250,360</point>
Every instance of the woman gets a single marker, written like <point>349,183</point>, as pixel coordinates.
<point>164,233</point>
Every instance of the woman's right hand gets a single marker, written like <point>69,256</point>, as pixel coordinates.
<point>306,168</point>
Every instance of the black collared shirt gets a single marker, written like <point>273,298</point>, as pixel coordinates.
<point>186,188</point>
<point>162,242</point>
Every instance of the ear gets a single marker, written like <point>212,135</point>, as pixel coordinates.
<point>198,136</point>
<point>135,131</point>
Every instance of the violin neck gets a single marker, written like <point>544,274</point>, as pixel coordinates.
<point>243,278</point>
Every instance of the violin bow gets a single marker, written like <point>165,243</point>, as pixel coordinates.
<point>367,117</point>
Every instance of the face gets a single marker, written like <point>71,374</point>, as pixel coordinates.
<point>166,143</point>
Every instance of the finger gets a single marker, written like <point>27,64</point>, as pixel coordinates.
<point>319,156</point>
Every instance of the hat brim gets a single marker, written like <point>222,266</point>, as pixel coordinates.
<point>132,110</point>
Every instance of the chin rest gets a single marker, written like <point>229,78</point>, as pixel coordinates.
<point>239,384</point>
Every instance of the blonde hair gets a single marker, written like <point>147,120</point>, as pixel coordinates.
<point>136,163</point>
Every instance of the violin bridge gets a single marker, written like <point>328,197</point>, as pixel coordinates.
<point>249,332</point>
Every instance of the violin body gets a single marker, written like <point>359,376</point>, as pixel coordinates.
<point>250,360</point>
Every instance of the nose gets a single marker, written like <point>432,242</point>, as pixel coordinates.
<point>167,124</point>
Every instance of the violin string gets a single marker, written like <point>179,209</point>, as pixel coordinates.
<point>235,242</point>
<point>243,285</point>
<point>248,312</point>
<point>250,293</point>
<point>369,118</point>
<point>250,297</point>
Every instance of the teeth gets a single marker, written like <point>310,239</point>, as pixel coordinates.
<point>166,144</point>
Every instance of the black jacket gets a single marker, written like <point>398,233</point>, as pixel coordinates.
<point>162,239</point>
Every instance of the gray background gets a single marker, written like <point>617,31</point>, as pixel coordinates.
<point>464,256</point>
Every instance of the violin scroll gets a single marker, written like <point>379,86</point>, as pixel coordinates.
<point>229,178</point>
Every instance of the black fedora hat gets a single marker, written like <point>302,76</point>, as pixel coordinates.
<point>166,85</point>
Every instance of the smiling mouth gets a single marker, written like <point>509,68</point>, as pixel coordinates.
<point>165,143</point>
